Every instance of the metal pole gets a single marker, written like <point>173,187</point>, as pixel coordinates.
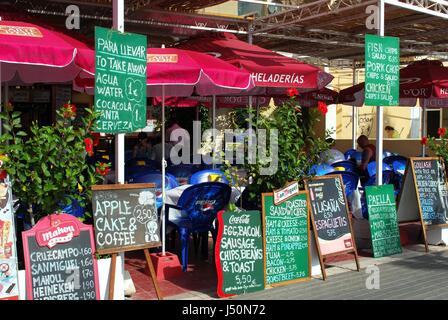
<point>250,39</point>
<point>354,111</point>
<point>6,98</point>
<point>162,212</point>
<point>118,24</point>
<point>379,113</point>
<point>424,128</point>
<point>214,128</point>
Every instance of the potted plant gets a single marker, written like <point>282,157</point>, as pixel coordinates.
<point>298,147</point>
<point>51,166</point>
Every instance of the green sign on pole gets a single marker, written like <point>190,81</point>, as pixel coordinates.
<point>383,220</point>
<point>120,81</point>
<point>382,64</point>
<point>286,236</point>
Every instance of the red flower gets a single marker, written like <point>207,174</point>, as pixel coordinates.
<point>292,92</point>
<point>89,146</point>
<point>424,141</point>
<point>441,132</point>
<point>102,168</point>
<point>96,138</point>
<point>3,174</point>
<point>69,110</point>
<point>322,107</point>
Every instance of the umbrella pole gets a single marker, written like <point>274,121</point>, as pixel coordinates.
<point>379,113</point>
<point>214,128</point>
<point>354,111</point>
<point>424,129</point>
<point>163,171</point>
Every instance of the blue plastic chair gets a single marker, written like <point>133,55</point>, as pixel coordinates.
<point>331,156</point>
<point>321,169</point>
<point>182,172</point>
<point>350,181</point>
<point>156,178</point>
<point>349,154</point>
<point>203,176</point>
<point>199,205</point>
<point>371,168</point>
<point>398,163</point>
<point>387,178</point>
<point>347,165</point>
<point>74,208</point>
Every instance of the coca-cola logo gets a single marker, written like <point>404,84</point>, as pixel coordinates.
<point>60,232</point>
<point>242,219</point>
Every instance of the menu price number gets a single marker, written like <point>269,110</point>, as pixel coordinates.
<point>245,280</point>
<point>87,262</point>
<point>88,295</point>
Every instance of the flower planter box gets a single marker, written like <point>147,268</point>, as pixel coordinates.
<point>103,274</point>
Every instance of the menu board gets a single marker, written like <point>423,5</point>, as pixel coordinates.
<point>330,214</point>
<point>120,81</point>
<point>383,220</point>
<point>286,239</point>
<point>60,260</point>
<point>8,251</point>
<point>125,217</point>
<point>424,193</point>
<point>382,63</point>
<point>239,253</point>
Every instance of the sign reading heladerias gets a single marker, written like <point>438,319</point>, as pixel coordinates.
<point>120,81</point>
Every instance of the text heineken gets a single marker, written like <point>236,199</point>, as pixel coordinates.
<point>120,81</point>
<point>382,64</point>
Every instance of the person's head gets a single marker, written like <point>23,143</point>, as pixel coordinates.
<point>363,141</point>
<point>389,131</point>
<point>142,138</point>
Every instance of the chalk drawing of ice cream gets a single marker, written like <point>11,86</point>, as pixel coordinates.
<point>146,213</point>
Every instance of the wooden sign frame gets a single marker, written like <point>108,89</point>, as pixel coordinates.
<point>114,252</point>
<point>263,216</point>
<point>410,165</point>
<point>316,237</point>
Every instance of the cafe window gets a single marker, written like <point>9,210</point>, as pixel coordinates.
<point>401,122</point>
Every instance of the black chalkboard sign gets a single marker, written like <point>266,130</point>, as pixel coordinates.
<point>125,217</point>
<point>424,195</point>
<point>60,261</point>
<point>432,192</point>
<point>330,217</point>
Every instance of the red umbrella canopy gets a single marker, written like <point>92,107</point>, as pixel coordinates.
<point>31,53</point>
<point>425,79</point>
<point>182,73</point>
<point>268,69</point>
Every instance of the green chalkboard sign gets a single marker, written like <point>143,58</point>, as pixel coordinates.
<point>120,81</point>
<point>239,253</point>
<point>286,239</point>
<point>382,85</point>
<point>383,220</point>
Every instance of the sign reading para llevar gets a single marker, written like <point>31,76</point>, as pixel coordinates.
<point>382,56</point>
<point>120,81</point>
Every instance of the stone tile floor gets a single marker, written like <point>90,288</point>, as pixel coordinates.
<point>199,282</point>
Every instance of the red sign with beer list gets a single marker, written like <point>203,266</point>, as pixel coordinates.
<point>60,260</point>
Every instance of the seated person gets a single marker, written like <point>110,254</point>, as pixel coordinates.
<point>143,148</point>
<point>368,154</point>
<point>156,152</point>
